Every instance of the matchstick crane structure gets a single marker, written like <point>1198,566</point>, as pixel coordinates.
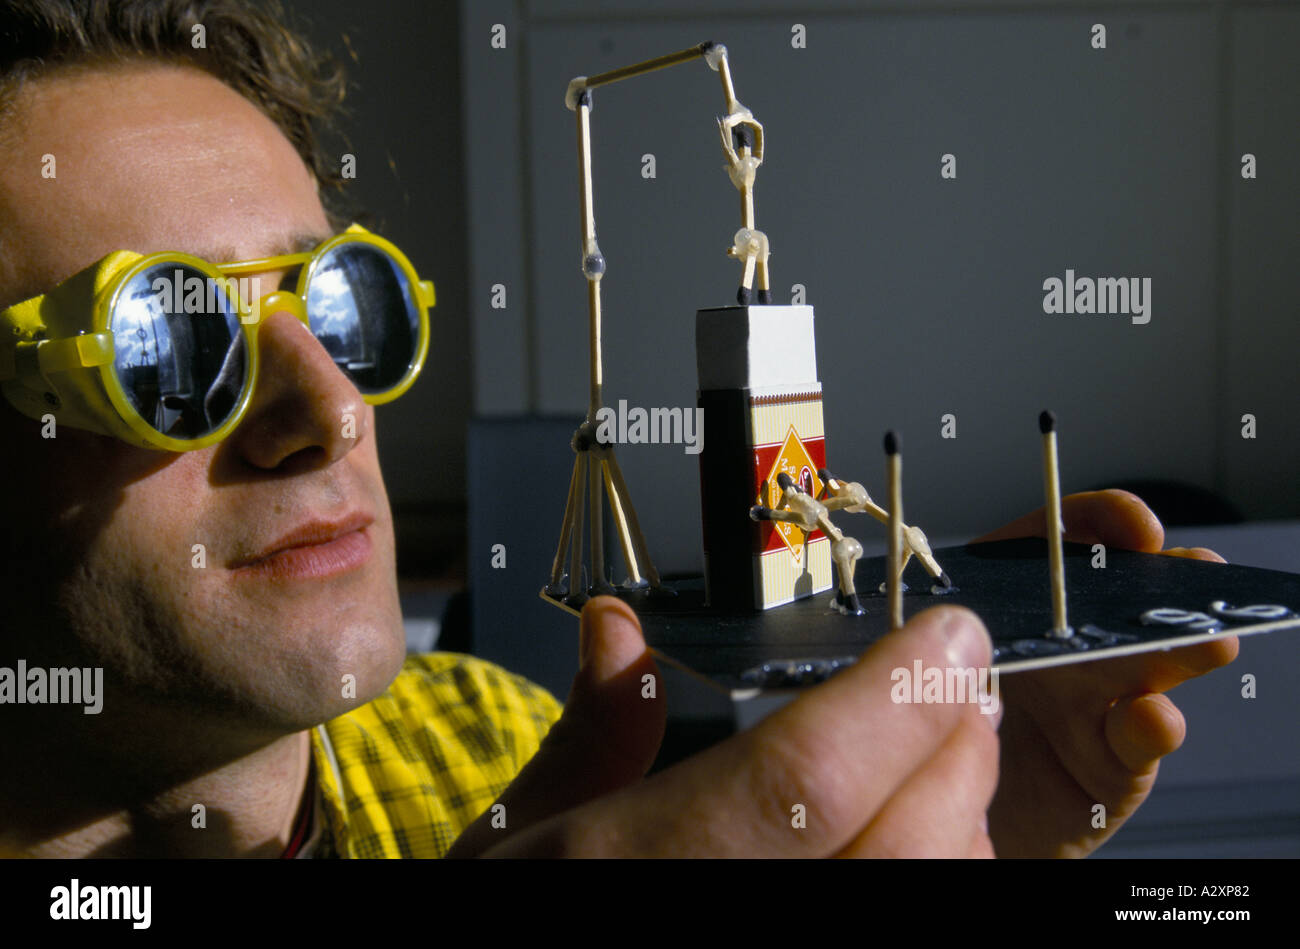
<point>595,469</point>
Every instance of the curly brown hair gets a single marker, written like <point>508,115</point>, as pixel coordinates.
<point>249,47</point>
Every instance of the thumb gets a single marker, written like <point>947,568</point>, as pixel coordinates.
<point>608,736</point>
<point>615,715</point>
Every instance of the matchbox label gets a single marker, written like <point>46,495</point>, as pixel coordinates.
<point>795,457</point>
<point>780,579</point>
<point>789,436</point>
<point>771,416</point>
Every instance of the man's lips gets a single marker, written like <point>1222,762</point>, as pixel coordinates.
<point>315,549</point>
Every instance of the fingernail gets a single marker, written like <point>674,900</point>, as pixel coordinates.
<point>968,641</point>
<point>602,612</point>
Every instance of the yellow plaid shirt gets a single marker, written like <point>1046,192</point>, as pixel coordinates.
<point>404,775</point>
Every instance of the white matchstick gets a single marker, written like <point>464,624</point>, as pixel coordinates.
<point>894,476</point>
<point>1052,487</point>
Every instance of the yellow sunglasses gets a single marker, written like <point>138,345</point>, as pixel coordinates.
<point>160,350</point>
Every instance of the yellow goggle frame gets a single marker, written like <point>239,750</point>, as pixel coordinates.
<point>57,358</point>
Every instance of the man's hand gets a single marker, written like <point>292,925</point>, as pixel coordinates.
<point>606,739</point>
<point>841,771</point>
<point>1094,732</point>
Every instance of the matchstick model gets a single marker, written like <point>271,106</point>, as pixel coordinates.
<point>768,501</point>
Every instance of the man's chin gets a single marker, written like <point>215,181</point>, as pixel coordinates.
<point>361,672</point>
<point>324,674</point>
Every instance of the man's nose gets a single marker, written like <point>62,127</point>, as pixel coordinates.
<point>303,406</point>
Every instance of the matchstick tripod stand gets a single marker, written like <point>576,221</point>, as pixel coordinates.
<point>596,470</point>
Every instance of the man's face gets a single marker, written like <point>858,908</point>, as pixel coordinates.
<point>101,536</point>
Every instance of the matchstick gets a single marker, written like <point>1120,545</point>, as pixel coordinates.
<point>593,262</point>
<point>650,65</point>
<point>599,583</point>
<point>577,589</point>
<point>556,587</point>
<point>1052,488</point>
<point>637,539</point>
<point>620,522</point>
<point>894,474</point>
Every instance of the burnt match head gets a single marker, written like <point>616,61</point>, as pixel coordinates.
<point>893,443</point>
<point>1046,422</point>
<point>785,481</point>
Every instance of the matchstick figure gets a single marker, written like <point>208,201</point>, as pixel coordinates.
<point>852,497</point>
<point>802,509</point>
<point>750,245</point>
<point>742,142</point>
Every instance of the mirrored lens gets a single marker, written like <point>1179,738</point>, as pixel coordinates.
<point>179,352</point>
<point>360,307</point>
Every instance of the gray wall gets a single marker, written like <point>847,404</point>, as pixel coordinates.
<point>928,292</point>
